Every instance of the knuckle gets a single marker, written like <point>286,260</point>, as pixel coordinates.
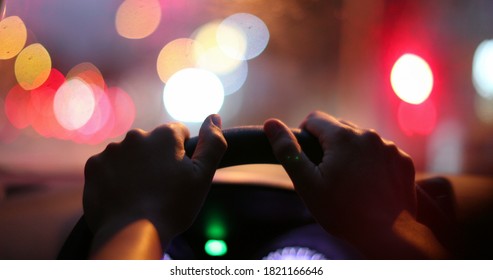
<point>92,164</point>
<point>372,137</point>
<point>316,114</point>
<point>392,149</point>
<point>407,162</point>
<point>404,161</point>
<point>168,131</point>
<point>111,148</point>
<point>134,135</point>
<point>342,134</point>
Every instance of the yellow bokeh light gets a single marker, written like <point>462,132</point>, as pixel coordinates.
<point>177,55</point>
<point>209,54</point>
<point>232,41</point>
<point>32,66</point>
<point>137,19</point>
<point>13,36</point>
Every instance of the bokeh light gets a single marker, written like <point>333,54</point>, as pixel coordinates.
<point>13,36</point>
<point>123,111</point>
<point>113,115</point>
<point>32,66</point>
<point>88,73</point>
<point>189,101</point>
<point>177,55</point>
<point>137,19</point>
<point>484,109</point>
<point>417,119</point>
<point>446,148</point>
<point>3,9</point>
<point>235,79</point>
<point>232,40</point>
<point>74,104</point>
<point>243,36</point>
<point>8,133</point>
<point>209,55</point>
<point>100,115</point>
<point>18,107</point>
<point>216,248</point>
<point>482,69</point>
<point>412,79</point>
<point>42,98</point>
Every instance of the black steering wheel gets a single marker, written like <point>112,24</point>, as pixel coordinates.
<point>249,145</point>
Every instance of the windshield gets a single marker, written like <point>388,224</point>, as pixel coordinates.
<point>76,75</point>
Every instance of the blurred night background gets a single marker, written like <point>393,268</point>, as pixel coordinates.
<point>76,75</point>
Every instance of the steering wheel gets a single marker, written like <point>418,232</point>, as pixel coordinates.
<point>246,145</point>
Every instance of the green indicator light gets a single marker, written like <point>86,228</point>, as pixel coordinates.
<point>216,231</point>
<point>216,248</point>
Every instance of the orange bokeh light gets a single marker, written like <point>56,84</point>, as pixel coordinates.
<point>137,19</point>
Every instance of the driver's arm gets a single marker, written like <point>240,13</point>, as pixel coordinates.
<point>363,190</point>
<point>140,193</point>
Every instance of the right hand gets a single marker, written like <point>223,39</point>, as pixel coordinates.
<point>363,184</point>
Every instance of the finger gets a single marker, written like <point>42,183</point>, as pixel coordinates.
<point>326,129</point>
<point>211,146</point>
<point>288,152</point>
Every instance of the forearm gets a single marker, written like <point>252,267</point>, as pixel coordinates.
<point>136,240</point>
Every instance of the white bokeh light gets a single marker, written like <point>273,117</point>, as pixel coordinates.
<point>192,94</point>
<point>243,36</point>
<point>74,104</point>
<point>482,69</point>
<point>412,79</point>
<point>234,80</point>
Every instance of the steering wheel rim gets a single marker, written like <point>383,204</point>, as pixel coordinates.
<point>246,145</point>
<point>249,145</point>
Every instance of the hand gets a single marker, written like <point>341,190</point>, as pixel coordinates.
<point>363,190</point>
<point>148,177</point>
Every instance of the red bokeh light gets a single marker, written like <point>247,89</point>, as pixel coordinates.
<point>18,107</point>
<point>123,109</point>
<point>417,119</point>
<point>44,121</point>
<point>113,115</point>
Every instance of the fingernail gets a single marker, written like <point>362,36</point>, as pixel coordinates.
<point>216,120</point>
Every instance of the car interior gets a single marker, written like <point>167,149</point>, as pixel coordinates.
<point>77,75</point>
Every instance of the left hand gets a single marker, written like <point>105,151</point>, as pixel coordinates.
<point>148,176</point>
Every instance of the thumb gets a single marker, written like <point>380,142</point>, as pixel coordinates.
<point>288,152</point>
<point>211,146</point>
